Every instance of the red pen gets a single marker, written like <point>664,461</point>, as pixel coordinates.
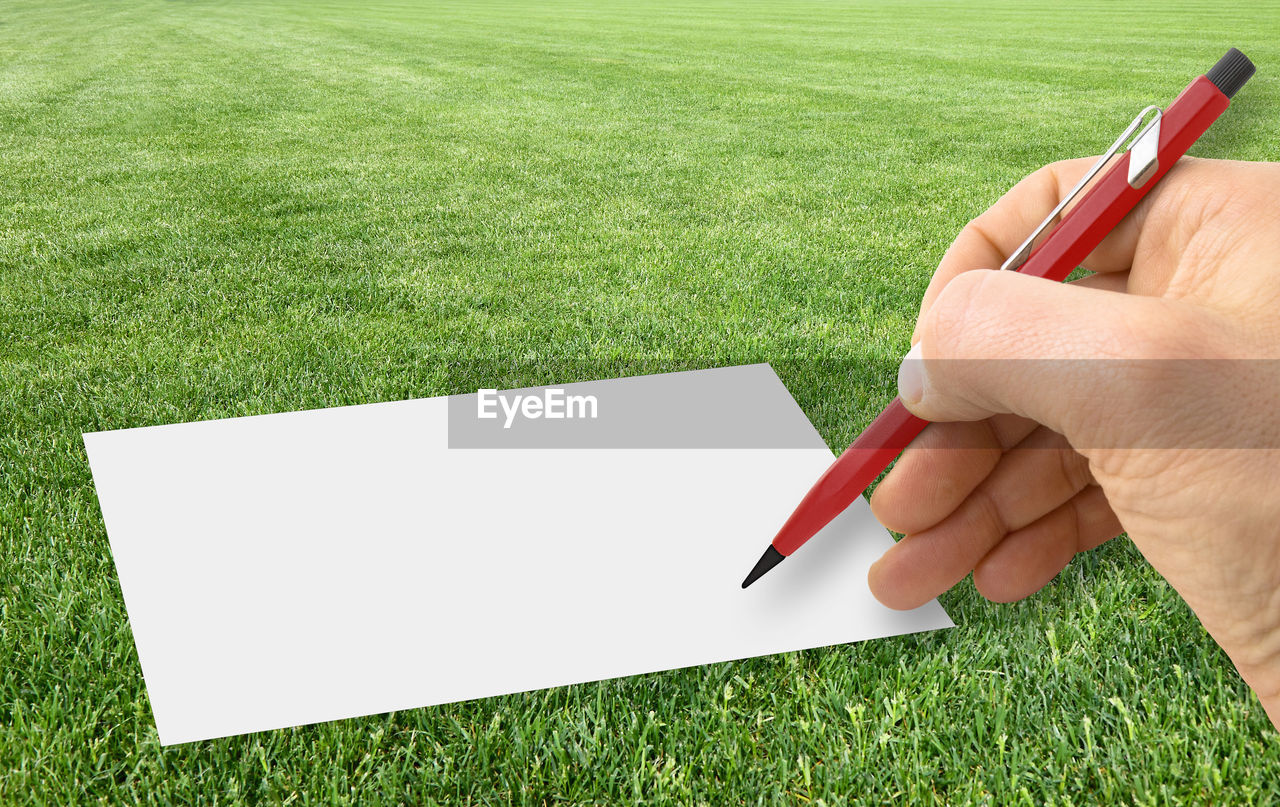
<point>1163,139</point>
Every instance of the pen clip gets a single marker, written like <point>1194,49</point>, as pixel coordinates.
<point>1143,164</point>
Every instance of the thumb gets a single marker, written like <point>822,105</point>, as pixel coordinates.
<point>1002,342</point>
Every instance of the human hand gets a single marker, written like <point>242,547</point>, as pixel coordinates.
<point>1144,398</point>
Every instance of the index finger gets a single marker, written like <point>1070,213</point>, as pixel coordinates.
<point>985,242</point>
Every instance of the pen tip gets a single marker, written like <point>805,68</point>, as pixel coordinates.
<point>768,560</point>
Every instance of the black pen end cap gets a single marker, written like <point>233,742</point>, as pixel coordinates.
<point>1231,72</point>
<point>768,560</point>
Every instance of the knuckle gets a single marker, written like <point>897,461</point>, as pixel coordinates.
<point>1075,519</point>
<point>1050,175</point>
<point>986,516</point>
<point>1074,469</point>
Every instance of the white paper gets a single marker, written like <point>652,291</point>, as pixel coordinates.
<point>295,568</point>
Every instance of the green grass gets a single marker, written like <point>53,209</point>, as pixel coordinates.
<point>219,209</point>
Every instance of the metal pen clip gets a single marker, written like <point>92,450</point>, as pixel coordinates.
<point>1143,164</point>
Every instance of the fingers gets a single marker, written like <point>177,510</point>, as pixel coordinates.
<point>988,240</point>
<point>1027,559</point>
<point>1038,477</point>
<point>948,460</point>
<point>941,468</point>
<point>993,236</point>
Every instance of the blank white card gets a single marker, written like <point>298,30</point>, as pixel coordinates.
<point>294,568</point>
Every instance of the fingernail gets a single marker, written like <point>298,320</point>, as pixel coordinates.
<point>911,376</point>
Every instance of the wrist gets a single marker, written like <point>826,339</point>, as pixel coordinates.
<point>1272,708</point>
<point>1258,662</point>
<point>1268,697</point>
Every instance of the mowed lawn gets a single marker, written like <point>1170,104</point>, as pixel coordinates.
<point>212,209</point>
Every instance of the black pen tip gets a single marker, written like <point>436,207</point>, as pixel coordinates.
<point>768,560</point>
